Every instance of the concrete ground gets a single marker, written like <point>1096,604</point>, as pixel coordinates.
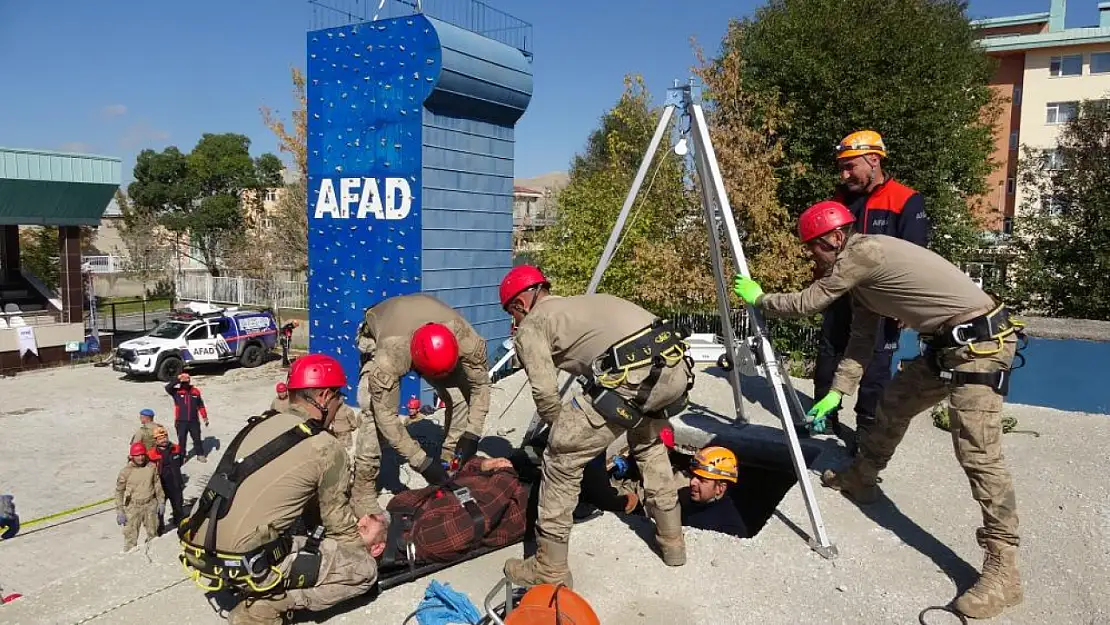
<point>65,435</point>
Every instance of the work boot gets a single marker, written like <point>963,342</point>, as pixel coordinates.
<point>668,535</point>
<point>999,585</point>
<point>858,482</point>
<point>548,566</point>
<point>202,458</point>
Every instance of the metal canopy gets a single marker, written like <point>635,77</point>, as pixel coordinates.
<point>55,188</point>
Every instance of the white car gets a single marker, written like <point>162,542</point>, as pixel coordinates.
<point>198,335</point>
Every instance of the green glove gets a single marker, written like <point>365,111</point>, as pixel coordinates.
<point>827,404</point>
<point>747,289</point>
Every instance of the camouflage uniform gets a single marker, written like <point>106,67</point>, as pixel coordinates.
<point>889,277</point>
<point>570,333</point>
<point>145,434</point>
<point>267,504</point>
<point>138,496</point>
<point>384,339</point>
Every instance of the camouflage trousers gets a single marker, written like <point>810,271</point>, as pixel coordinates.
<point>458,419</point>
<point>975,414</point>
<point>577,436</point>
<point>140,515</point>
<point>346,571</point>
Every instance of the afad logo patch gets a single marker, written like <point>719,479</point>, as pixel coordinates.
<point>362,197</point>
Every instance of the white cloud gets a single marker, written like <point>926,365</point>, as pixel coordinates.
<point>75,146</point>
<point>141,134</point>
<point>113,110</point>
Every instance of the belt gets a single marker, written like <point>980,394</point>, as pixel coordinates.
<point>246,570</point>
<point>619,411</point>
<point>995,325</point>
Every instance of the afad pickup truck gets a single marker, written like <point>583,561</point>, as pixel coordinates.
<point>198,335</point>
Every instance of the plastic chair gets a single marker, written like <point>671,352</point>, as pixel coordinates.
<point>11,308</point>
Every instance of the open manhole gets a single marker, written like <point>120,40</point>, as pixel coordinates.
<point>766,475</point>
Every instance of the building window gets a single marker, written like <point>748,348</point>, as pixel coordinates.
<point>1010,182</point>
<point>1060,112</point>
<point>271,195</point>
<point>1014,140</point>
<point>1017,96</point>
<point>1100,63</point>
<point>1054,160</point>
<point>1052,205</point>
<point>1070,65</point>
<point>1007,225</point>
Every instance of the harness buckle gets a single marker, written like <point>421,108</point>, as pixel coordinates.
<point>250,565</point>
<point>463,495</point>
<point>957,338</point>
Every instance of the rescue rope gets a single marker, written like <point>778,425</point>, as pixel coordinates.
<point>67,512</point>
<point>1009,423</point>
<point>130,601</point>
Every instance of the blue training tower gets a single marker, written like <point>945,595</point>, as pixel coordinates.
<point>410,174</point>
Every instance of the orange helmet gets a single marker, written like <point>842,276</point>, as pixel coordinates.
<point>548,604</point>
<point>715,463</point>
<point>860,143</point>
<point>160,433</point>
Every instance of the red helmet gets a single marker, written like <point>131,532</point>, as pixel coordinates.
<point>518,280</point>
<point>281,387</point>
<point>822,218</point>
<point>434,350</point>
<point>666,435</point>
<point>316,371</point>
<point>137,449</point>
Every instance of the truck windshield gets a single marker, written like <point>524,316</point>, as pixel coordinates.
<point>168,330</point>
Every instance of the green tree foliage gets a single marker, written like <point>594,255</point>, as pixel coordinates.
<point>202,194</point>
<point>909,69</point>
<point>1062,233</point>
<point>661,262</point>
<point>749,156</point>
<point>40,252</point>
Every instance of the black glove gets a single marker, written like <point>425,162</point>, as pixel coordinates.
<point>466,447</point>
<point>434,473</point>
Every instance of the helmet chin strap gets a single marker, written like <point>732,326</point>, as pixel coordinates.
<point>315,404</point>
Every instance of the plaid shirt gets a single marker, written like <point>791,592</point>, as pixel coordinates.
<point>443,530</point>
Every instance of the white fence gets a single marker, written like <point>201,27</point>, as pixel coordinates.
<point>118,264</point>
<point>243,291</point>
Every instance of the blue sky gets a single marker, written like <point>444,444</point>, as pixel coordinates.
<point>119,76</point>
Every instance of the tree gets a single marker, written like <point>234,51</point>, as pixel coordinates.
<point>147,249</point>
<point>288,239</point>
<point>1062,233</point>
<point>748,154</point>
<point>201,195</point>
<point>653,264</point>
<point>910,69</point>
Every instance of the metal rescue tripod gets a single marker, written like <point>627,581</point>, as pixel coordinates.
<point>754,355</point>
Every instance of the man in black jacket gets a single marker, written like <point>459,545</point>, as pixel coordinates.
<point>167,456</point>
<point>881,205</point>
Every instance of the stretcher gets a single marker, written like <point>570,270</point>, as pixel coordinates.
<point>400,573</point>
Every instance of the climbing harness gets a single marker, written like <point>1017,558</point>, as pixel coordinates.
<point>659,346</point>
<point>995,326</point>
<point>212,570</point>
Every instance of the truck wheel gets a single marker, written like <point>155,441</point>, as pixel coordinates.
<point>169,368</point>
<point>252,356</point>
<point>724,363</point>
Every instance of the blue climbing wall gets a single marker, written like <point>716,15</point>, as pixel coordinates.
<point>410,169</point>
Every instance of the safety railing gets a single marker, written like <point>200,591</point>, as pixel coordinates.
<point>241,291</point>
<point>472,15</point>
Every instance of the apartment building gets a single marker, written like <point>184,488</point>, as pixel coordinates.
<point>1045,70</point>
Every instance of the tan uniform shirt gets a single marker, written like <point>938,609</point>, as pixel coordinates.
<point>886,277</point>
<point>280,405</point>
<point>346,421</point>
<point>386,333</point>
<point>138,485</point>
<point>145,434</point>
<point>268,501</point>
<point>570,333</point>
